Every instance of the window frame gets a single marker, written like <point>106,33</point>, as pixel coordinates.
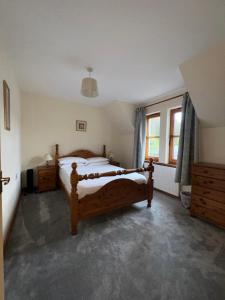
<point>148,117</point>
<point>172,136</point>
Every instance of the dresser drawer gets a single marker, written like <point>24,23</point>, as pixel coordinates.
<point>209,194</point>
<point>47,177</point>
<point>208,172</point>
<point>210,183</point>
<point>47,173</point>
<point>211,215</point>
<point>210,204</point>
<point>46,186</point>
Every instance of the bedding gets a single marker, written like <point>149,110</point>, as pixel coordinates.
<point>90,186</point>
<point>100,163</point>
<point>92,160</point>
<point>69,160</point>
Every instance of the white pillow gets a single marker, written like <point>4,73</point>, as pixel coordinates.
<point>69,160</point>
<point>96,160</point>
<point>99,163</point>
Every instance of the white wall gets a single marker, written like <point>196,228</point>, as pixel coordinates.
<point>46,122</point>
<point>212,145</point>
<point>10,143</point>
<point>121,114</point>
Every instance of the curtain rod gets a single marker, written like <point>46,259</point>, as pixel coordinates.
<point>171,98</point>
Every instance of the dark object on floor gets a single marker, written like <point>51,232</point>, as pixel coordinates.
<point>30,181</point>
<point>132,254</point>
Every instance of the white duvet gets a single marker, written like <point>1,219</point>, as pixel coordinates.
<point>86,187</point>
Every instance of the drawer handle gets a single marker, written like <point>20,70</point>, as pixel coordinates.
<point>205,172</point>
<point>205,193</point>
<point>211,182</point>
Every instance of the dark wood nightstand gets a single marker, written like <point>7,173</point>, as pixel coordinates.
<point>46,178</point>
<point>114,163</point>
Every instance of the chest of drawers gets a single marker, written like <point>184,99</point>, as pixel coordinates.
<point>208,193</point>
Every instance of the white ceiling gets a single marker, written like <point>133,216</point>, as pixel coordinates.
<point>134,46</point>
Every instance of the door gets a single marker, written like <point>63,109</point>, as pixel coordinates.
<point>5,181</point>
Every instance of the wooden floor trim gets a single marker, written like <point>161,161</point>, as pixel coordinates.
<point>168,194</point>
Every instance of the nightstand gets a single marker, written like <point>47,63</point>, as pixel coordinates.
<point>114,163</point>
<point>46,178</point>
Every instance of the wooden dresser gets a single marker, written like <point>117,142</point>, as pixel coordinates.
<point>46,177</point>
<point>208,193</point>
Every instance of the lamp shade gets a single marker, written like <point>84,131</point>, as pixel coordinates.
<point>89,87</point>
<point>48,157</point>
<point>111,156</point>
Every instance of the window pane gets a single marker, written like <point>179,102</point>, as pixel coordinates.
<point>175,147</point>
<point>177,123</point>
<point>154,126</point>
<point>153,147</point>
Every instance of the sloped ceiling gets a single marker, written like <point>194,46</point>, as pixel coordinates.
<point>204,77</point>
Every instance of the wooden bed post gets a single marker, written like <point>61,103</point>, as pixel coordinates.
<point>56,164</point>
<point>150,183</point>
<point>56,154</point>
<point>104,151</point>
<point>74,199</point>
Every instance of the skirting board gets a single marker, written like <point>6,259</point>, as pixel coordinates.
<point>12,222</point>
<point>168,194</point>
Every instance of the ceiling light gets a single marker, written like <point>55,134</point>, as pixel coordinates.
<point>89,86</point>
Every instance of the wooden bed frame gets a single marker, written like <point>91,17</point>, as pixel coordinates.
<point>115,194</point>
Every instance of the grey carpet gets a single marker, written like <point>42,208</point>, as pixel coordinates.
<point>136,253</point>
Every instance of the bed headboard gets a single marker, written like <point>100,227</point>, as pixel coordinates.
<point>81,153</point>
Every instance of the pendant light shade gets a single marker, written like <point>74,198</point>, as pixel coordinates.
<point>89,86</point>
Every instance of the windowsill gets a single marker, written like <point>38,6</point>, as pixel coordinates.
<point>162,164</point>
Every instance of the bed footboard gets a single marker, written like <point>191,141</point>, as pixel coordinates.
<point>115,194</point>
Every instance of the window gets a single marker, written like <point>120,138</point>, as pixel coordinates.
<point>153,137</point>
<point>175,122</point>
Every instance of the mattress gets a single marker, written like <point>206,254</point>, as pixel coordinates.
<point>90,186</point>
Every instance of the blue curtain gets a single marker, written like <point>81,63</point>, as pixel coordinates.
<point>188,144</point>
<point>139,137</point>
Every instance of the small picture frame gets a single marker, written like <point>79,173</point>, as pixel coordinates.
<point>81,125</point>
<point>6,97</point>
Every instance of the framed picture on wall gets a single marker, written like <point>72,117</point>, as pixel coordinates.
<point>81,125</point>
<point>6,99</point>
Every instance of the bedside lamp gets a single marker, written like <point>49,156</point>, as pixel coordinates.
<point>48,158</point>
<point>111,156</point>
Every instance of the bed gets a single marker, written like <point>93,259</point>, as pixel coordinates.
<point>97,188</point>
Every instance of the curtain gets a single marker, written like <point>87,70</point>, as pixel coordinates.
<point>139,137</point>
<point>188,144</point>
